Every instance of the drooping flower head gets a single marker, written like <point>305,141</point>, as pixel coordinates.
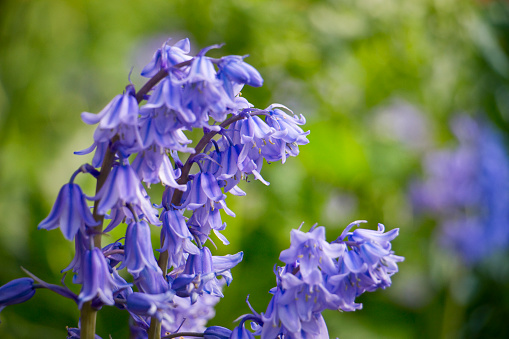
<point>319,275</point>
<point>312,251</point>
<point>370,262</point>
<point>138,249</point>
<point>96,279</point>
<point>70,212</point>
<point>124,187</point>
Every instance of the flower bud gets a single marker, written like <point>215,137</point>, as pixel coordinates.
<point>16,292</point>
<point>217,332</point>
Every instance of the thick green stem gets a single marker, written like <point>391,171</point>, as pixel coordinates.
<point>87,322</point>
<point>154,332</point>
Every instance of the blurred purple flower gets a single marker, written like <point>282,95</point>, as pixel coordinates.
<point>192,317</point>
<point>467,190</point>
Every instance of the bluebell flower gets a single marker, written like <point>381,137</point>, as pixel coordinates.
<point>81,243</point>
<point>152,305</point>
<point>167,56</point>
<point>235,73</point>
<point>96,279</point>
<point>123,109</point>
<point>240,332</point>
<point>151,281</point>
<point>228,163</point>
<point>304,298</point>
<point>168,94</point>
<point>311,250</point>
<point>200,274</point>
<point>176,238</point>
<point>100,147</point>
<point>367,265</point>
<point>288,131</point>
<point>294,310</point>
<point>123,186</point>
<point>274,139</point>
<point>204,188</point>
<point>203,93</point>
<point>207,219</point>
<point>16,291</point>
<point>138,249</point>
<point>217,332</point>
<point>255,141</point>
<point>161,127</point>
<point>235,69</point>
<point>169,97</point>
<point>174,220</point>
<point>313,329</point>
<point>154,166</point>
<point>70,212</point>
<point>286,125</point>
<point>319,275</point>
<point>192,317</point>
<point>466,188</point>
<point>114,252</point>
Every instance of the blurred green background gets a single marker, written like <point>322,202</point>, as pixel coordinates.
<point>377,80</point>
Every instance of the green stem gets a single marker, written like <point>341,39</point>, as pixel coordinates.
<point>87,323</point>
<point>154,332</point>
<point>454,311</point>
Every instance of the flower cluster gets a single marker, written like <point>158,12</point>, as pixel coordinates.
<point>136,146</point>
<point>140,141</point>
<point>319,275</point>
<point>467,189</point>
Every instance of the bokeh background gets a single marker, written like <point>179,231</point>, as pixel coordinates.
<point>378,81</point>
